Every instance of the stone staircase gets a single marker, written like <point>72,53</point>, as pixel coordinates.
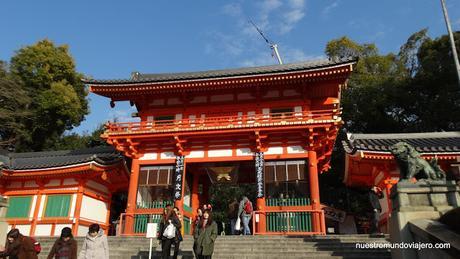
<point>271,247</point>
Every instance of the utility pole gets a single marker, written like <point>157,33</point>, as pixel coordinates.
<point>451,37</point>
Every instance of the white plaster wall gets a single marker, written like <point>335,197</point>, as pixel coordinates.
<point>273,93</point>
<point>14,185</point>
<point>97,186</point>
<point>93,209</point>
<point>195,154</point>
<point>221,97</point>
<point>158,102</point>
<point>70,181</point>
<point>174,101</point>
<point>149,156</point>
<point>30,184</point>
<point>298,110</point>
<point>32,208</point>
<point>290,92</point>
<point>42,206</point>
<point>274,151</point>
<point>73,205</point>
<point>245,96</point>
<point>58,228</point>
<point>43,230</point>
<point>220,152</point>
<point>82,231</point>
<point>198,99</point>
<point>167,155</point>
<point>295,150</point>
<point>54,182</point>
<point>244,152</point>
<point>23,229</point>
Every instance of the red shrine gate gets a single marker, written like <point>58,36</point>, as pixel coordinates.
<point>272,126</point>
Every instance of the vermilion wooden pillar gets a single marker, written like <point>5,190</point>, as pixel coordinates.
<point>76,224</point>
<point>314,189</point>
<point>132,196</point>
<point>37,208</point>
<point>195,195</point>
<point>262,226</point>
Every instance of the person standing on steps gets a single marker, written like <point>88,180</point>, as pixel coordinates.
<point>233,215</point>
<point>245,212</point>
<point>205,236</point>
<point>18,246</point>
<point>179,233</point>
<point>169,233</point>
<point>65,246</point>
<point>375,194</point>
<point>95,245</point>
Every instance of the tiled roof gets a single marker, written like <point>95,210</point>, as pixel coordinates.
<point>225,73</point>
<point>431,142</point>
<point>104,155</point>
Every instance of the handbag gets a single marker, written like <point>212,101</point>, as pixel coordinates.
<point>170,231</point>
<point>238,224</point>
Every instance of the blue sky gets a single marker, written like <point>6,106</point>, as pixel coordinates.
<point>111,39</point>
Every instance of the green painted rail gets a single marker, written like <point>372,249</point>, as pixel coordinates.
<point>187,224</point>
<point>141,220</point>
<point>187,208</point>
<point>298,221</point>
<point>287,202</point>
<point>153,204</point>
<point>289,221</point>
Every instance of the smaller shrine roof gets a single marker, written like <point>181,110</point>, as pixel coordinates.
<point>225,73</point>
<point>430,142</point>
<point>104,155</point>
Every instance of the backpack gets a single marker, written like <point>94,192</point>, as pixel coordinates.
<point>170,231</point>
<point>248,207</point>
<point>37,246</point>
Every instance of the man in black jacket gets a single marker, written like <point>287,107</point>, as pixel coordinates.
<point>375,194</point>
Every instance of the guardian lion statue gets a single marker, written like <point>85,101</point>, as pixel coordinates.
<point>411,164</point>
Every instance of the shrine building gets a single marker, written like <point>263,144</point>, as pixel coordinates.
<point>369,162</point>
<point>50,190</point>
<point>271,126</point>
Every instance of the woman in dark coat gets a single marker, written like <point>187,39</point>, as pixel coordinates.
<point>205,235</point>
<point>169,220</point>
<point>18,246</point>
<point>65,246</point>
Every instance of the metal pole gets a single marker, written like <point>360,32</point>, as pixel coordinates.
<point>150,248</point>
<point>275,49</point>
<point>451,37</point>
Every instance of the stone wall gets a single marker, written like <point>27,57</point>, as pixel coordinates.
<point>421,200</point>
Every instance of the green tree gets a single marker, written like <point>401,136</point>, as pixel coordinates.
<point>14,102</point>
<point>58,97</point>
<point>77,141</point>
<point>433,100</point>
<point>368,100</point>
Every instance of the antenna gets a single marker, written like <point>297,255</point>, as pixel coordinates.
<point>272,45</point>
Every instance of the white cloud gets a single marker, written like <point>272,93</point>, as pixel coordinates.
<point>288,55</point>
<point>122,115</point>
<point>243,45</point>
<point>232,9</point>
<point>330,7</point>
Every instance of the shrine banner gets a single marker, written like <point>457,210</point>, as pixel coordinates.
<point>178,175</point>
<point>260,174</point>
